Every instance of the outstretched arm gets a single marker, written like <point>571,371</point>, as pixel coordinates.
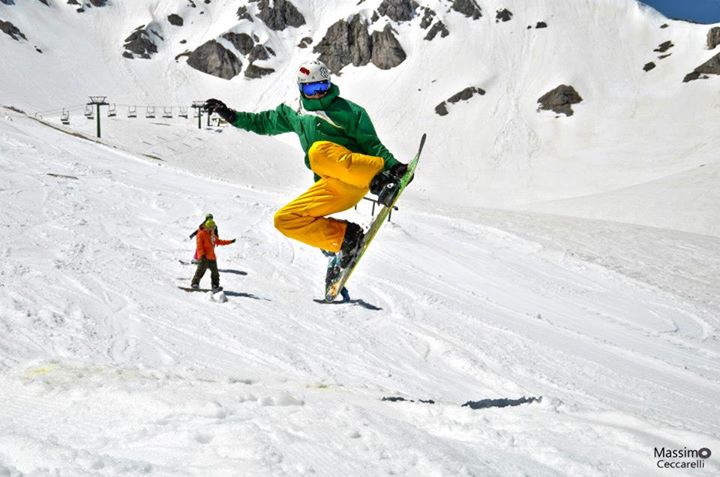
<point>275,121</point>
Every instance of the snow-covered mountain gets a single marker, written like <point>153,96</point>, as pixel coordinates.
<point>493,150</point>
<point>607,309</point>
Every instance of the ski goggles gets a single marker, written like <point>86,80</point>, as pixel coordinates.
<point>311,89</point>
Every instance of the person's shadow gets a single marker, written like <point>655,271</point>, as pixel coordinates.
<point>244,295</point>
<point>234,272</point>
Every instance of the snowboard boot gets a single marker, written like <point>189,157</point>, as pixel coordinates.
<point>345,295</point>
<point>351,244</point>
<point>194,286</point>
<point>386,184</point>
<point>217,289</point>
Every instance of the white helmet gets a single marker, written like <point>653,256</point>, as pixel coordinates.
<point>313,71</point>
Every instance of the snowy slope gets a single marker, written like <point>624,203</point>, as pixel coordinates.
<point>608,309</point>
<point>108,368</point>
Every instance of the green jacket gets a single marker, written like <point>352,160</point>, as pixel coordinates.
<point>330,118</point>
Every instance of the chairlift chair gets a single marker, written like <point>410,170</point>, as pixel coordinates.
<point>89,111</point>
<point>65,118</point>
<point>150,112</point>
<point>183,112</point>
<point>112,111</point>
<point>132,112</point>
<point>167,113</point>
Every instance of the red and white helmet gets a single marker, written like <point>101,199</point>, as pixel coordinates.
<point>312,72</point>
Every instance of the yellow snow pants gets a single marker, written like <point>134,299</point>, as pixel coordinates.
<point>344,180</point>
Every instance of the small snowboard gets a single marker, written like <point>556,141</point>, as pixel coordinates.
<point>190,289</point>
<point>333,288</point>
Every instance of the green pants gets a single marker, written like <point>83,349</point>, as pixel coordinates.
<point>202,268</point>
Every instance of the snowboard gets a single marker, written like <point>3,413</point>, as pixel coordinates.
<point>333,288</point>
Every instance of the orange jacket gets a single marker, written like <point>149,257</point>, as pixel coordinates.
<point>206,242</point>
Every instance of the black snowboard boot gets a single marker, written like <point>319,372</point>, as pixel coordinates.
<point>351,244</point>
<point>386,184</point>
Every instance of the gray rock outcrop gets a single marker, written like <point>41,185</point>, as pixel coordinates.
<point>214,59</point>
<point>140,43</point>
<point>503,15</point>
<point>464,95</point>
<point>175,20</point>
<point>88,3</point>
<point>560,100</point>
<point>428,18</point>
<point>345,43</point>
<point>438,28</point>
<point>259,53</point>
<point>241,41</point>
<point>664,46</point>
<point>350,43</point>
<point>254,72</point>
<point>12,31</point>
<point>398,10</point>
<point>713,38</point>
<point>280,15</point>
<point>386,49</point>
<point>710,67</point>
<point>469,8</point>
<point>243,14</point>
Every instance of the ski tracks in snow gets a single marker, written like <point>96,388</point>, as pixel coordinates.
<point>106,367</point>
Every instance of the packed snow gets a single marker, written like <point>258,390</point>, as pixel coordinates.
<point>568,266</point>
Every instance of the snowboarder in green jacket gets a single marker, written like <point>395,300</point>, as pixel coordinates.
<point>341,148</point>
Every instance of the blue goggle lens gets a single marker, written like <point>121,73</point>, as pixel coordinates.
<point>311,89</point>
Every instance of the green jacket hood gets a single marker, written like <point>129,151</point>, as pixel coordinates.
<point>320,104</point>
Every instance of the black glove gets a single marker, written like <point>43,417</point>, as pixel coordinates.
<point>212,105</point>
<point>233,241</point>
<point>398,170</point>
<point>216,106</point>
